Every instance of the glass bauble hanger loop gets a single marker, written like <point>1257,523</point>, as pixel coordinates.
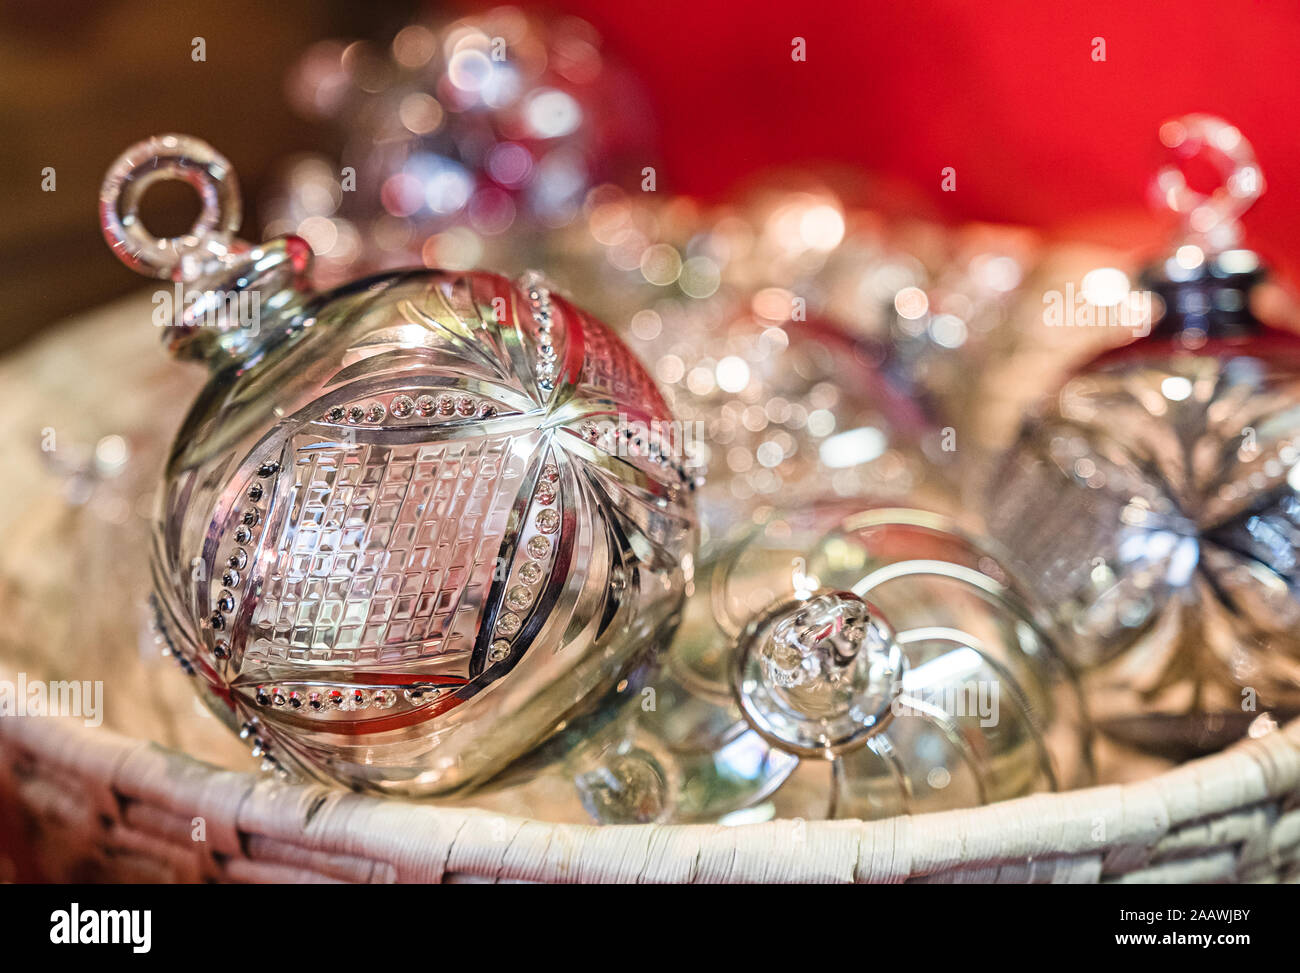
<point>158,159</point>
<point>1210,219</point>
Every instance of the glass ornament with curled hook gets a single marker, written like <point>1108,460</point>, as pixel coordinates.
<point>1155,499</point>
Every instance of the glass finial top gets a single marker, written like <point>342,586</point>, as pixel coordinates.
<point>1210,220</point>
<point>818,675</point>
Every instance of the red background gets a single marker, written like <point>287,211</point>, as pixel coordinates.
<point>1006,92</point>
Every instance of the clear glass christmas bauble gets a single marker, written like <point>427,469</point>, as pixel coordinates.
<point>829,348</point>
<point>776,405</point>
<point>1156,504</point>
<point>842,663</point>
<point>791,412</point>
<point>1155,500</point>
<point>388,544</point>
<point>899,649</point>
<point>464,143</point>
<point>781,401</point>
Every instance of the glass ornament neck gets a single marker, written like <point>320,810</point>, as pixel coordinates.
<point>1205,297</point>
<point>228,298</point>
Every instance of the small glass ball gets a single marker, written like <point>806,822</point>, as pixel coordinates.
<point>629,788</point>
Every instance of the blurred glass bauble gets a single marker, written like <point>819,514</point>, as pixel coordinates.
<point>464,144</point>
<point>777,414</point>
<point>779,401</point>
<point>1155,500</point>
<point>935,299</point>
<point>387,547</point>
<point>944,301</point>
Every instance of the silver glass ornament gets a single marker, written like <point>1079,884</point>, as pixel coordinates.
<point>389,545</point>
<point>1155,500</point>
<point>464,143</point>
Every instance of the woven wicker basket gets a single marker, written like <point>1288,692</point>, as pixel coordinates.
<point>123,802</point>
<point>96,806</point>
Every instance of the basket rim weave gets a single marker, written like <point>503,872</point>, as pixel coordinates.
<point>1231,816</point>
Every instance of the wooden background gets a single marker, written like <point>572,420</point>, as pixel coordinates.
<point>80,81</point>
